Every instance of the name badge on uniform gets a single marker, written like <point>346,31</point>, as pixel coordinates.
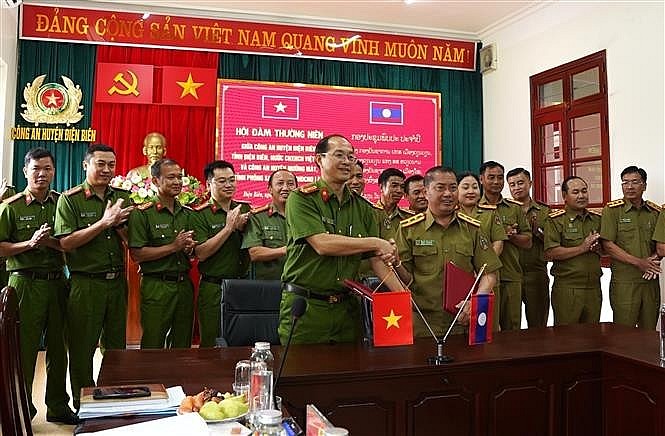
<point>270,228</point>
<point>89,214</point>
<point>27,218</point>
<point>327,220</point>
<point>424,242</point>
<point>161,226</point>
<point>216,226</point>
<point>625,220</point>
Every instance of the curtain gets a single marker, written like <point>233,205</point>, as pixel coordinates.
<point>55,59</point>
<point>189,131</point>
<point>461,92</point>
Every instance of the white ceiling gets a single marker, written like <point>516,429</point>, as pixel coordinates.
<point>463,19</point>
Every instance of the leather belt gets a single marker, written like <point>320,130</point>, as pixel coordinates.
<point>39,275</point>
<point>298,290</point>
<point>212,279</point>
<point>108,275</point>
<point>178,277</point>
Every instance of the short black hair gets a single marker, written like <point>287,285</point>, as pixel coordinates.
<point>388,173</point>
<point>97,147</point>
<point>564,184</point>
<point>429,175</point>
<point>489,165</point>
<point>277,171</point>
<point>209,170</point>
<point>360,164</point>
<point>517,171</point>
<point>466,174</point>
<point>322,145</point>
<point>633,169</point>
<point>37,153</point>
<point>156,168</point>
<point>412,179</point>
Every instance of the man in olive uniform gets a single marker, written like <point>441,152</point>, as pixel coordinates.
<point>161,241</point>
<point>265,236</point>
<point>218,226</point>
<point>572,243</point>
<point>329,228</point>
<point>414,190</point>
<point>36,264</point>
<point>357,181</point>
<point>6,191</point>
<point>388,212</point>
<point>519,237</point>
<point>535,281</point>
<point>89,222</point>
<point>659,233</point>
<point>429,240</point>
<point>626,231</point>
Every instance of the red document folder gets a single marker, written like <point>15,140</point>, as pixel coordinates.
<point>455,287</point>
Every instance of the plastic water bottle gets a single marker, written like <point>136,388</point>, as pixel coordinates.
<point>269,423</point>
<point>260,383</point>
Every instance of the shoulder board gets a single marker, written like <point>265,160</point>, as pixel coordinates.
<point>556,213</point>
<point>541,203</point>
<point>260,209</point>
<point>73,190</point>
<point>117,188</point>
<point>406,211</point>
<point>186,206</point>
<point>13,198</point>
<point>412,220</point>
<point>202,206</point>
<point>144,206</point>
<point>512,200</point>
<point>616,203</point>
<point>653,205</point>
<point>241,202</point>
<point>309,189</point>
<point>487,206</point>
<point>56,193</point>
<point>468,219</point>
<point>372,205</point>
<point>595,212</point>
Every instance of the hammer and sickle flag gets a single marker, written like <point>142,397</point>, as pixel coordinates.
<point>123,83</point>
<point>188,86</point>
<point>392,318</point>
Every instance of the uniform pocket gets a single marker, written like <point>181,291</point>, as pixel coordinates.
<point>426,259</point>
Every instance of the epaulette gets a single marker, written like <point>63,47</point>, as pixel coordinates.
<point>406,211</point>
<point>468,219</point>
<point>653,205</point>
<point>487,206</point>
<point>616,203</point>
<point>541,203</point>
<point>365,200</point>
<point>309,189</point>
<point>121,189</point>
<point>144,206</point>
<point>512,200</point>
<point>186,206</point>
<point>260,209</point>
<point>13,198</point>
<point>73,190</point>
<point>412,220</point>
<point>201,206</point>
<point>556,213</point>
<point>595,212</point>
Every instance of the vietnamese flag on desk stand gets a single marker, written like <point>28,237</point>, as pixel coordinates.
<point>187,86</point>
<point>480,321</point>
<point>392,319</point>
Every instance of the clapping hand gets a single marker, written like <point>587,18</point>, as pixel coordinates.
<point>40,236</point>
<point>115,214</point>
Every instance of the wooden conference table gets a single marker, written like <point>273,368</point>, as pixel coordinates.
<point>575,380</point>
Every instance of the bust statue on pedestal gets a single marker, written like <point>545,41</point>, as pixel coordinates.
<point>154,148</point>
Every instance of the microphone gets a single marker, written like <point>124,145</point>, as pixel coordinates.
<point>298,309</point>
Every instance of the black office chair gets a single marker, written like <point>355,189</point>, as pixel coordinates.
<point>250,312</point>
<point>14,413</point>
<point>366,309</point>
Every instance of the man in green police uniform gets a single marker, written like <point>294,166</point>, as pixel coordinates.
<point>217,227</point>
<point>160,241</point>
<point>35,261</point>
<point>535,281</point>
<point>89,222</point>
<point>659,233</point>
<point>519,237</point>
<point>429,240</point>
<point>626,229</point>
<point>414,191</point>
<point>329,228</point>
<point>388,213</point>
<point>6,191</point>
<point>265,236</point>
<point>572,243</point>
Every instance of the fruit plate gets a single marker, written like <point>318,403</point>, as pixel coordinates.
<point>235,418</point>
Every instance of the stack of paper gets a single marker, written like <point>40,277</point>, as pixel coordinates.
<point>147,406</point>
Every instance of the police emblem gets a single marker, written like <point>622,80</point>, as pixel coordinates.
<point>52,103</point>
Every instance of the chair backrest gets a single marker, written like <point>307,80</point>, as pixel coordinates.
<point>14,414</point>
<point>250,311</point>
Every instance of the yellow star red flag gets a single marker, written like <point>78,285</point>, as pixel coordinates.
<point>392,319</point>
<point>187,86</point>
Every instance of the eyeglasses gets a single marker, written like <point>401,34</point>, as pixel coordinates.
<point>631,183</point>
<point>340,156</point>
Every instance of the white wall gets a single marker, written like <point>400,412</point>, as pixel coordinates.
<point>8,76</point>
<point>632,35</point>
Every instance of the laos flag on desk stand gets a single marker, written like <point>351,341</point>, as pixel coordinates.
<point>480,321</point>
<point>392,320</point>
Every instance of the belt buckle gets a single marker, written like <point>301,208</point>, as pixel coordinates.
<point>110,275</point>
<point>332,299</point>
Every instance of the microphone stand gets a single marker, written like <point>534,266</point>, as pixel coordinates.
<point>281,364</point>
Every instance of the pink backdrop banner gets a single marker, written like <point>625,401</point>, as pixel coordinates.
<point>264,126</point>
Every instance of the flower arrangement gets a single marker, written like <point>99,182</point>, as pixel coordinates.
<point>143,190</point>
